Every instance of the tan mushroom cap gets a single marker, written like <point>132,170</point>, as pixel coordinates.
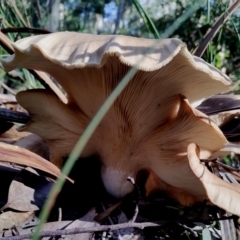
<point>72,50</point>
<point>151,123</point>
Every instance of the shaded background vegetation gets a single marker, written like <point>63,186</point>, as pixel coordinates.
<point>125,17</point>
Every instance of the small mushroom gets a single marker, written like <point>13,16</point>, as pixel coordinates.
<point>149,126</point>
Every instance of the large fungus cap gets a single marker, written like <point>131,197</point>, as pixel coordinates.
<point>151,123</point>
<point>168,59</point>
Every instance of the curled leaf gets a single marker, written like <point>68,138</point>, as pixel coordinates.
<point>18,155</point>
<point>221,193</point>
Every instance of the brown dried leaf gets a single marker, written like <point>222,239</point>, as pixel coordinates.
<point>9,219</point>
<point>21,156</point>
<point>27,192</point>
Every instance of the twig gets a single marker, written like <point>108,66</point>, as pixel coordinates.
<point>110,220</point>
<point>24,30</point>
<point>39,9</point>
<point>14,5</point>
<point>7,88</point>
<point>227,167</point>
<point>211,33</point>
<point>59,214</point>
<point>216,160</point>
<point>84,230</point>
<point>14,116</point>
<point>107,228</point>
<point>101,216</point>
<point>130,179</point>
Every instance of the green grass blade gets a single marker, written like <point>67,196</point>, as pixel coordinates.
<point>208,11</point>
<point>169,31</point>
<point>148,21</point>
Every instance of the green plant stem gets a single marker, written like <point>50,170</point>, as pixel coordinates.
<point>169,31</point>
<point>148,21</point>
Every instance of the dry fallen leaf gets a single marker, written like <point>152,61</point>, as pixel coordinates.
<point>10,218</point>
<point>84,222</point>
<point>21,156</point>
<point>28,191</point>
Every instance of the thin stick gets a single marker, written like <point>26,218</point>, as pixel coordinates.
<point>24,30</point>
<point>101,216</point>
<point>102,228</point>
<point>59,214</point>
<point>85,230</point>
<point>7,88</point>
<point>217,161</point>
<point>130,179</point>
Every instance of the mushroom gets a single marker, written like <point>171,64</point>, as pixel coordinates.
<point>149,126</point>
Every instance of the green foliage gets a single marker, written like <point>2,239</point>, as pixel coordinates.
<point>132,17</point>
<point>147,20</point>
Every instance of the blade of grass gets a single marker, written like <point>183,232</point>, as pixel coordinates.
<point>210,47</point>
<point>148,21</point>
<point>188,13</point>
<point>76,152</point>
<point>211,33</point>
<point>10,14</point>
<point>25,13</point>
<point>13,3</point>
<point>208,10</point>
